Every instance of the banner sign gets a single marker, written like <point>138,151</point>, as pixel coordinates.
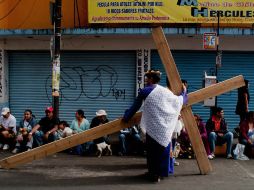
<point>209,40</point>
<point>171,11</point>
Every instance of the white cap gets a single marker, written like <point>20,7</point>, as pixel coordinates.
<point>5,111</point>
<point>101,113</point>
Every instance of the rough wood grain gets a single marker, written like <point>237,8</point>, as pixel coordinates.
<point>176,86</point>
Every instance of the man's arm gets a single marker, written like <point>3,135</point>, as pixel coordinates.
<point>223,127</point>
<point>36,127</point>
<point>12,125</point>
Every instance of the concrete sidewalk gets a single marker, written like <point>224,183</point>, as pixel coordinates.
<point>63,171</point>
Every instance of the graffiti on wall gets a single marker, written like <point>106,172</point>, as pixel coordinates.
<point>76,82</point>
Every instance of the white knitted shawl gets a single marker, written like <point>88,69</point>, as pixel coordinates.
<point>160,114</point>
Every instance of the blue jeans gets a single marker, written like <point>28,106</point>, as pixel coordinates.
<point>38,138</point>
<point>226,138</point>
<point>123,143</point>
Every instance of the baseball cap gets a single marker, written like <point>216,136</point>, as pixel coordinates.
<point>101,113</point>
<point>49,109</point>
<point>5,110</point>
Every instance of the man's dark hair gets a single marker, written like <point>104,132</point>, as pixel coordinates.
<point>215,110</point>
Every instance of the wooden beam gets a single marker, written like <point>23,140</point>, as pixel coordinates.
<point>215,90</point>
<point>167,60</point>
<point>176,87</point>
<point>68,142</point>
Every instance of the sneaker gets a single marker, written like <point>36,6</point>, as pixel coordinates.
<point>28,149</point>
<point>210,157</point>
<point>176,163</point>
<point>212,154</point>
<point>1,146</point>
<point>6,147</point>
<point>229,156</point>
<point>15,151</point>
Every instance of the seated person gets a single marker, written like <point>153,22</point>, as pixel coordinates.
<point>247,133</point>
<point>44,131</point>
<point>203,133</point>
<point>130,134</point>
<point>217,131</point>
<point>78,125</point>
<point>101,118</point>
<point>185,141</point>
<point>25,127</point>
<point>8,129</point>
<point>63,130</point>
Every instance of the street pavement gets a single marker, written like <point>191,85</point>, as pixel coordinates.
<point>63,171</point>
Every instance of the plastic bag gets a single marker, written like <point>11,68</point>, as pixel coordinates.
<point>239,152</point>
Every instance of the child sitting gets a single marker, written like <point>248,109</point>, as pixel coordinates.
<point>64,130</point>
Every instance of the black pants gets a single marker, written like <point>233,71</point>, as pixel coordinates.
<point>157,158</point>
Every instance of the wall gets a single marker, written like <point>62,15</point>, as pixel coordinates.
<point>122,42</point>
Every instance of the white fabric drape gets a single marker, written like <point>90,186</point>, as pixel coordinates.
<point>160,114</point>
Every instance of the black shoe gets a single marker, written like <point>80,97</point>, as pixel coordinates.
<point>155,179</point>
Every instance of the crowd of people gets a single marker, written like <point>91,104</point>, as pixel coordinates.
<point>29,133</point>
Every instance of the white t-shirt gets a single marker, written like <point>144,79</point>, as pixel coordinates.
<point>9,123</point>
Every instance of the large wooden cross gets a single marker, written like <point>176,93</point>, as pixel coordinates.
<point>118,124</point>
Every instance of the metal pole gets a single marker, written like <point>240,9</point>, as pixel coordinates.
<point>56,57</point>
<point>217,52</point>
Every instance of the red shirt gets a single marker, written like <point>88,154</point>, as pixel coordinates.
<point>216,123</point>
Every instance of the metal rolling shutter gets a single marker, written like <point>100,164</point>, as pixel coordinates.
<point>89,81</point>
<point>236,63</point>
<point>191,66</point>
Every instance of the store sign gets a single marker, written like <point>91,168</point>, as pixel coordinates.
<point>170,11</point>
<point>209,41</point>
<point>143,65</point>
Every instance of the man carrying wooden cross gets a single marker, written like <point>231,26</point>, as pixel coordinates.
<point>160,114</point>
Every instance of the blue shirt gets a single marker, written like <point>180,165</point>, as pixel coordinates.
<point>83,126</point>
<point>143,93</point>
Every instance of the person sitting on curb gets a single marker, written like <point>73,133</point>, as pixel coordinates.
<point>78,125</point>
<point>99,119</point>
<point>247,133</point>
<point>25,127</point>
<point>129,134</point>
<point>8,129</point>
<point>218,131</point>
<point>44,131</point>
<point>64,130</point>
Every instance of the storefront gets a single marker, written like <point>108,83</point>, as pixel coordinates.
<point>104,70</point>
<point>193,64</point>
<point>90,80</point>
